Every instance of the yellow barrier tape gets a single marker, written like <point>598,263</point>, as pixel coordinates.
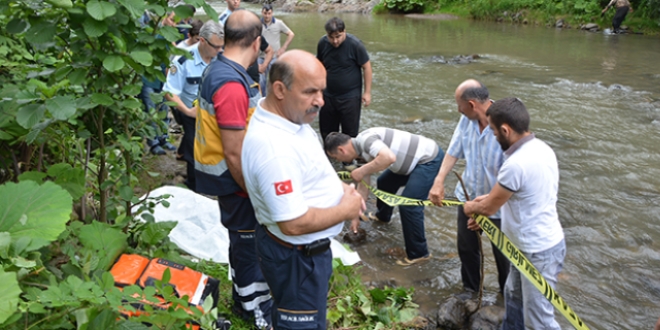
<point>500,240</point>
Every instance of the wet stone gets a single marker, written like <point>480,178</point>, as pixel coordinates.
<point>359,237</point>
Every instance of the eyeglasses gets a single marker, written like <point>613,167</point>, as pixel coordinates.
<point>212,45</point>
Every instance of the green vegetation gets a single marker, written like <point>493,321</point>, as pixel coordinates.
<point>72,161</point>
<point>645,17</point>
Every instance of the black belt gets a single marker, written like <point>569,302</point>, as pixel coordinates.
<point>311,249</point>
<point>281,242</point>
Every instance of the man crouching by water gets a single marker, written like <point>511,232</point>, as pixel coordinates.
<point>298,198</point>
<point>526,191</point>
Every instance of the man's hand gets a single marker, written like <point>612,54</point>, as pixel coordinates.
<point>355,224</point>
<point>354,202</point>
<point>280,52</point>
<point>473,225</point>
<point>366,99</point>
<point>437,193</point>
<point>263,67</point>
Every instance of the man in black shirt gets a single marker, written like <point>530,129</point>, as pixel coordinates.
<point>345,58</point>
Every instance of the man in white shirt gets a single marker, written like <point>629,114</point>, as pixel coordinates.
<point>298,199</point>
<point>271,30</point>
<point>526,192</point>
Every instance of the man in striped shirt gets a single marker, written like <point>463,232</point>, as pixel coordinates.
<point>474,141</point>
<point>407,160</point>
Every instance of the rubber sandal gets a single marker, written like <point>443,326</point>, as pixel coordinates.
<point>408,262</point>
<point>370,216</point>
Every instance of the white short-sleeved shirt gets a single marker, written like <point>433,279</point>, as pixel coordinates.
<point>529,217</point>
<point>286,172</point>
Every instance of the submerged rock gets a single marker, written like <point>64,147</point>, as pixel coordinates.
<point>487,318</point>
<point>452,314</point>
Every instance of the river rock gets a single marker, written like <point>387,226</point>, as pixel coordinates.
<point>487,318</point>
<point>355,238</point>
<point>452,314</point>
<point>590,26</point>
<point>559,24</point>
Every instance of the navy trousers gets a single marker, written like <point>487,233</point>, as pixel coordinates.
<point>299,284</point>
<point>417,185</point>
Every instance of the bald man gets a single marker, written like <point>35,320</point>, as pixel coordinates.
<point>227,98</point>
<point>298,198</point>
<point>473,140</point>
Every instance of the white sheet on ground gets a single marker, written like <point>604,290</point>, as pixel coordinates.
<point>199,231</point>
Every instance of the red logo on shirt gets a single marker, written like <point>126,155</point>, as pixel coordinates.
<point>284,187</point>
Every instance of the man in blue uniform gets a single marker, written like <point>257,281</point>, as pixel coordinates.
<point>182,85</point>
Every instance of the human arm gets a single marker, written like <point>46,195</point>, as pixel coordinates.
<point>488,204</point>
<point>231,106</point>
<point>287,42</point>
<point>190,112</point>
<point>317,219</point>
<point>383,160</point>
<point>366,95</point>
<point>232,144</point>
<point>437,192</point>
<point>608,6</point>
<point>267,58</point>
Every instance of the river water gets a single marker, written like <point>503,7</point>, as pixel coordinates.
<point>593,98</point>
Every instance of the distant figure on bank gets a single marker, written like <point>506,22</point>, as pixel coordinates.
<point>299,201</point>
<point>406,160</point>
<point>622,8</point>
<point>526,192</point>
<point>473,140</point>
<point>271,30</point>
<point>346,61</point>
<point>182,85</point>
<point>232,5</point>
<point>227,99</point>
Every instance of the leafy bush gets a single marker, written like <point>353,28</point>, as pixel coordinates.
<point>406,6</point>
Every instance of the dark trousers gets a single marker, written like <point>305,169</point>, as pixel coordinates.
<point>299,284</point>
<point>344,112</point>
<point>187,148</point>
<point>418,183</point>
<point>145,97</point>
<point>468,251</point>
<point>618,18</point>
<point>249,290</point>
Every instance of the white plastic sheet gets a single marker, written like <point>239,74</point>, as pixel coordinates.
<point>199,231</point>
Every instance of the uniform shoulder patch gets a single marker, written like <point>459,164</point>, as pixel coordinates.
<point>173,69</point>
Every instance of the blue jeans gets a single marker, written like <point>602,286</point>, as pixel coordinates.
<point>418,183</point>
<point>263,77</point>
<point>145,96</point>
<point>525,305</point>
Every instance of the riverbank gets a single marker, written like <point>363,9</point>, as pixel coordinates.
<point>563,17</point>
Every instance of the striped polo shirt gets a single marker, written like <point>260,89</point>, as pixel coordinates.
<point>483,158</point>
<point>409,149</point>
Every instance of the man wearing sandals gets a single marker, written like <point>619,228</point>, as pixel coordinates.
<point>408,160</point>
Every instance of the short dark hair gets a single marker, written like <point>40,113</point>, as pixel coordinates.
<point>267,7</point>
<point>334,140</point>
<point>510,111</point>
<point>479,93</point>
<point>281,71</point>
<point>335,24</point>
<point>192,8</point>
<point>196,25</point>
<point>242,34</point>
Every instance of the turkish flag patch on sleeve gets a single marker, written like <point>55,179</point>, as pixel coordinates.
<point>283,187</point>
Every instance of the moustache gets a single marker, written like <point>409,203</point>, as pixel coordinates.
<point>312,110</point>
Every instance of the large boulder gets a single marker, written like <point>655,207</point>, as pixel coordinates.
<point>452,314</point>
<point>487,318</point>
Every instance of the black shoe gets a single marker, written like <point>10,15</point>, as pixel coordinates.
<point>157,150</point>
